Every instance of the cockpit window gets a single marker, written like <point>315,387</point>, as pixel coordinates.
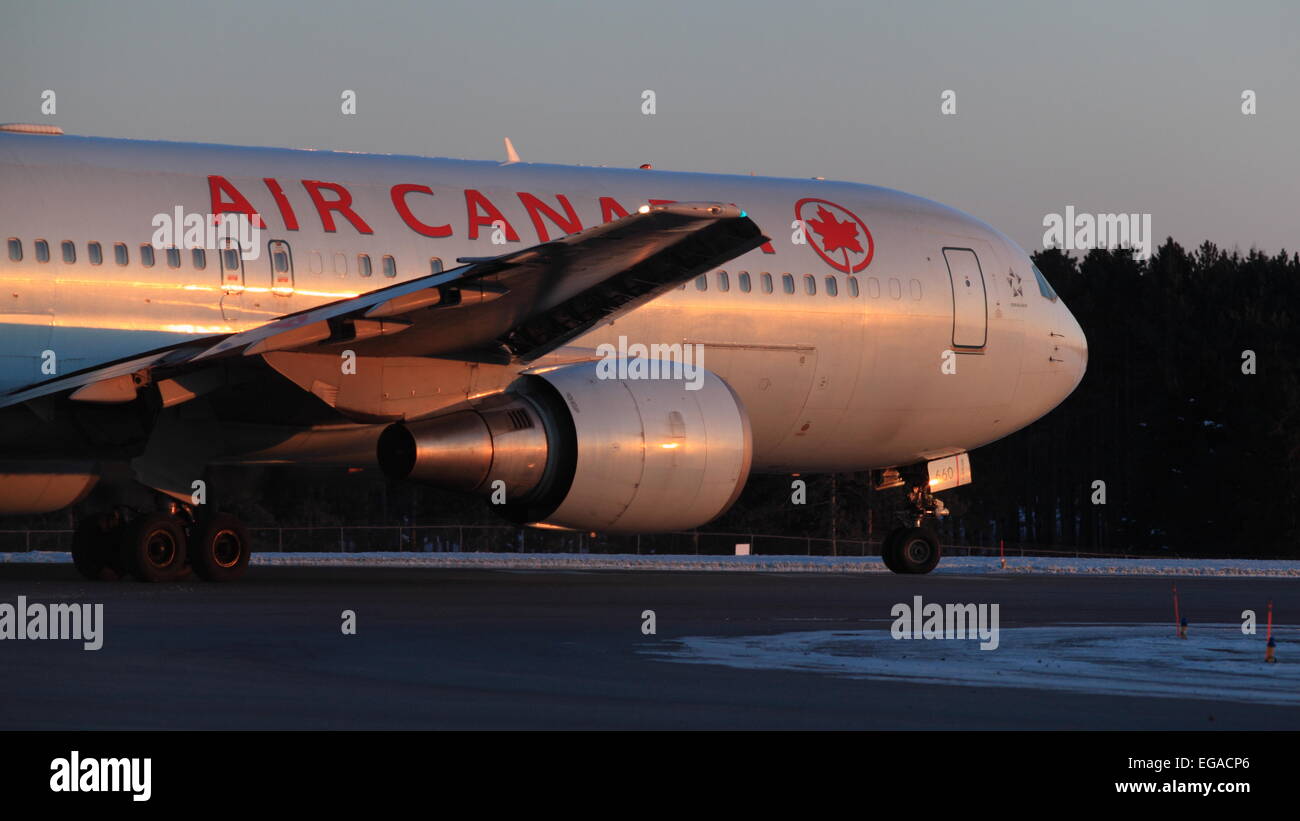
<point>1044,287</point>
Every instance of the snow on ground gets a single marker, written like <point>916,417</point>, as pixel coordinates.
<point>1216,662</point>
<point>782,564</point>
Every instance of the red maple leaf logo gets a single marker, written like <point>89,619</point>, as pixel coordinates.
<point>835,234</point>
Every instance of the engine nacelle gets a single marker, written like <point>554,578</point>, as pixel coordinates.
<point>32,493</point>
<point>578,451</point>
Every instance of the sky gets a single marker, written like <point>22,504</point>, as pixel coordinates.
<point>1110,107</point>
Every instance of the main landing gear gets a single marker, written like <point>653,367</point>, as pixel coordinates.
<point>161,547</point>
<point>912,546</point>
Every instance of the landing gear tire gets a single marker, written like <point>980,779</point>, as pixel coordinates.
<point>153,548</point>
<point>915,550</point>
<point>95,551</point>
<point>221,549</point>
<point>889,549</point>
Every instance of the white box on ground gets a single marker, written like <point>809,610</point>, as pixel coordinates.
<point>742,550</point>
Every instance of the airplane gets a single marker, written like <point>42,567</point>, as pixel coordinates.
<point>588,348</point>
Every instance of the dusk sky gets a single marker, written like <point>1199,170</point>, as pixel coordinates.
<point>1106,106</point>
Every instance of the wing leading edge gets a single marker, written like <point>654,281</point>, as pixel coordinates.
<point>520,305</point>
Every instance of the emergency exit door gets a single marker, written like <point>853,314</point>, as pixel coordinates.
<point>970,317</point>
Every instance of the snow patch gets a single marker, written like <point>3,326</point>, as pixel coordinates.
<point>1217,662</point>
<point>956,565</point>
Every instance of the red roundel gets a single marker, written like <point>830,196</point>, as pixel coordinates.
<point>838,235</point>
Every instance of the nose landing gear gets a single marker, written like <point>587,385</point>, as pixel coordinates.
<point>911,550</point>
<point>912,546</point>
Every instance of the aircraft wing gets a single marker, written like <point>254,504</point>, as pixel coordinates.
<point>518,306</point>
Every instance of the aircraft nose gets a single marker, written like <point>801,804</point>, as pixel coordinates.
<point>1072,346</point>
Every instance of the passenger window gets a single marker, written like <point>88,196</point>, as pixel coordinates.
<point>744,281</point>
<point>229,259</point>
<point>200,259</point>
<point>873,287</point>
<point>895,289</point>
<point>702,282</point>
<point>95,253</point>
<point>832,287</point>
<point>435,265</point>
<point>341,264</point>
<point>363,265</point>
<point>315,262</point>
<point>69,251</point>
<point>15,249</point>
<point>120,254</point>
<point>42,251</point>
<point>146,256</point>
<point>280,260</point>
<point>853,287</point>
<point>173,257</point>
<point>766,279</point>
<point>916,289</point>
<point>724,282</point>
<point>390,266</point>
<point>787,283</point>
<point>810,284</point>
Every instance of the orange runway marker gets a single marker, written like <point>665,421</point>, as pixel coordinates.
<point>1179,623</point>
<point>1269,647</point>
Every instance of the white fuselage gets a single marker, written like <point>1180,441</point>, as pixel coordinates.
<point>919,363</point>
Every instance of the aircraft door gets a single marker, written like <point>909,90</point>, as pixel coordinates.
<point>970,318</point>
<point>281,262</point>
<point>230,266</point>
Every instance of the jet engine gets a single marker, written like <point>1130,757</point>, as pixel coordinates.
<point>570,448</point>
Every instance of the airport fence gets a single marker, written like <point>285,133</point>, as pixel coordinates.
<point>509,539</point>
